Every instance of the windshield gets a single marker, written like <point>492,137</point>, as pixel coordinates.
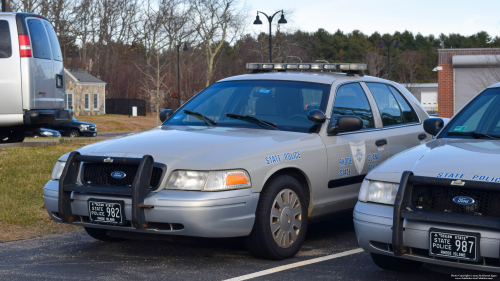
<point>250,104</point>
<point>480,119</point>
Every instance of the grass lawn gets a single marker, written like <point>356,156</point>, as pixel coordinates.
<point>113,122</point>
<point>23,173</point>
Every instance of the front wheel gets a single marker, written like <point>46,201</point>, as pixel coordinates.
<point>280,220</point>
<point>395,264</point>
<point>73,134</point>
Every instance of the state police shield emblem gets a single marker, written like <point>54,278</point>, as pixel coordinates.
<point>358,151</point>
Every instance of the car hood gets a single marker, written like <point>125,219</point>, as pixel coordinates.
<point>195,144</point>
<point>467,159</point>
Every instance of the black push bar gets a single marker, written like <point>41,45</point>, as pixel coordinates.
<point>402,208</point>
<point>138,191</point>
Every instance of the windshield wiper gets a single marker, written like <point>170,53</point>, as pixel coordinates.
<point>253,120</point>
<point>200,116</point>
<point>475,135</point>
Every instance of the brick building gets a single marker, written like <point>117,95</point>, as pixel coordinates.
<point>462,73</point>
<point>85,94</point>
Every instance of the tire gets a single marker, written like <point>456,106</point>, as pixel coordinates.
<point>100,234</point>
<point>289,220</point>
<point>73,134</point>
<point>12,137</point>
<point>395,264</point>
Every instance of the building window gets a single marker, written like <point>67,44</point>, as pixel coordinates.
<point>96,101</point>
<point>87,102</point>
<point>69,101</point>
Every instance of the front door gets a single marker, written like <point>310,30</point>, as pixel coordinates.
<point>352,155</point>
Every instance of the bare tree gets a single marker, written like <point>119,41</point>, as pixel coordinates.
<point>375,63</point>
<point>407,68</point>
<point>488,74</point>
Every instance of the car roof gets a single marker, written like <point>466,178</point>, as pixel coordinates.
<point>303,76</point>
<point>496,85</point>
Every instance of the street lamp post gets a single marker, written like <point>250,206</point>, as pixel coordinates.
<point>388,44</point>
<point>185,48</point>
<point>282,20</point>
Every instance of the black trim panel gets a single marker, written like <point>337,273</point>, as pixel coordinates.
<point>346,181</point>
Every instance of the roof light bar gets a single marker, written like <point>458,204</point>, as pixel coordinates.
<point>308,66</point>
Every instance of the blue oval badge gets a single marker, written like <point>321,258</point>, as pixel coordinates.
<point>118,174</point>
<point>463,200</point>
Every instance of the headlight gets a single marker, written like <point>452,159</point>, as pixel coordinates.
<point>58,169</point>
<point>46,133</point>
<point>378,192</point>
<point>84,127</point>
<point>221,180</point>
<point>208,181</point>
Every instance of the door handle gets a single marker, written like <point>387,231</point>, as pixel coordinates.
<point>422,136</point>
<point>381,142</point>
<point>41,93</point>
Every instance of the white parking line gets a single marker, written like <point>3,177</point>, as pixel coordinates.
<point>293,265</point>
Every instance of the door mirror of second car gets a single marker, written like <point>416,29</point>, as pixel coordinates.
<point>317,116</point>
<point>164,114</point>
<point>432,126</point>
<point>345,123</point>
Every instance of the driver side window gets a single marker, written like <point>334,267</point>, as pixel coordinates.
<point>351,100</point>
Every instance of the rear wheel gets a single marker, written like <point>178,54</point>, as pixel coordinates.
<point>100,234</point>
<point>73,134</point>
<point>395,264</point>
<point>280,220</point>
<point>12,136</point>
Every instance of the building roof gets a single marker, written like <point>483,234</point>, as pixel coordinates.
<point>84,77</point>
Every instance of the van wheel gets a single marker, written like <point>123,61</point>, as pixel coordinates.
<point>73,134</point>
<point>395,264</point>
<point>280,220</point>
<point>12,137</point>
<point>100,234</point>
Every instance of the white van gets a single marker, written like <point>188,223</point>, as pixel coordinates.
<point>31,76</point>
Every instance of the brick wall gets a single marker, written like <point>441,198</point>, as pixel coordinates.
<point>445,76</point>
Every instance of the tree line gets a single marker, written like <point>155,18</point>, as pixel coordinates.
<point>132,45</point>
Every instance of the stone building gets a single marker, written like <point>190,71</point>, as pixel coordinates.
<point>463,73</point>
<point>85,94</point>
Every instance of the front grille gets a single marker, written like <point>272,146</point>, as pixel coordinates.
<point>440,198</point>
<point>100,174</point>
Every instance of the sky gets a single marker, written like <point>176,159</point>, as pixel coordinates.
<point>385,16</point>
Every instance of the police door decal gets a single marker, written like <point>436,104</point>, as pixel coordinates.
<point>358,151</point>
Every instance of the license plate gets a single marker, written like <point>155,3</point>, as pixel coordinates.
<point>454,244</point>
<point>110,212</point>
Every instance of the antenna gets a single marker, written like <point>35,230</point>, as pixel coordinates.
<point>4,6</point>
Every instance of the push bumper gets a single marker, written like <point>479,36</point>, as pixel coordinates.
<point>373,224</point>
<point>33,117</point>
<point>175,212</point>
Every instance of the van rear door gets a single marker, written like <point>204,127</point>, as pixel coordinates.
<point>42,67</point>
<point>57,62</point>
<point>10,69</point>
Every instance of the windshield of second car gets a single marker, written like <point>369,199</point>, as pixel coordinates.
<point>481,118</point>
<point>282,103</point>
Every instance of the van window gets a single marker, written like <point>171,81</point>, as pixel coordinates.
<point>54,43</point>
<point>5,42</point>
<point>39,41</point>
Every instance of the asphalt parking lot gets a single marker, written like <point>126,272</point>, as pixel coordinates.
<point>77,256</point>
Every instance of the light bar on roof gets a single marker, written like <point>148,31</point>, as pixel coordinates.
<point>308,66</point>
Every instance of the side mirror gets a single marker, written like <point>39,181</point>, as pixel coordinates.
<point>317,116</point>
<point>432,126</point>
<point>345,123</point>
<point>164,114</point>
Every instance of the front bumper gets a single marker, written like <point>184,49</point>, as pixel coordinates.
<point>373,224</point>
<point>189,213</point>
<point>33,117</point>
<point>89,133</point>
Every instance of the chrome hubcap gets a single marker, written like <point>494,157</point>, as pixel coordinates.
<point>286,218</point>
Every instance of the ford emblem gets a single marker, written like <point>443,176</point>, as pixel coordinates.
<point>463,200</point>
<point>121,175</point>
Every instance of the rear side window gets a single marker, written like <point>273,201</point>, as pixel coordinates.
<point>387,104</point>
<point>5,42</point>
<point>39,40</point>
<point>54,43</point>
<point>408,113</point>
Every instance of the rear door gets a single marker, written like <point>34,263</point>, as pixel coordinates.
<point>10,71</point>
<point>42,67</point>
<point>57,61</point>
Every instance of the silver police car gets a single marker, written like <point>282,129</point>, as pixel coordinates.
<point>439,202</point>
<point>253,156</point>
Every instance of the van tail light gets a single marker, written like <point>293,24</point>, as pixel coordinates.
<point>24,46</point>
